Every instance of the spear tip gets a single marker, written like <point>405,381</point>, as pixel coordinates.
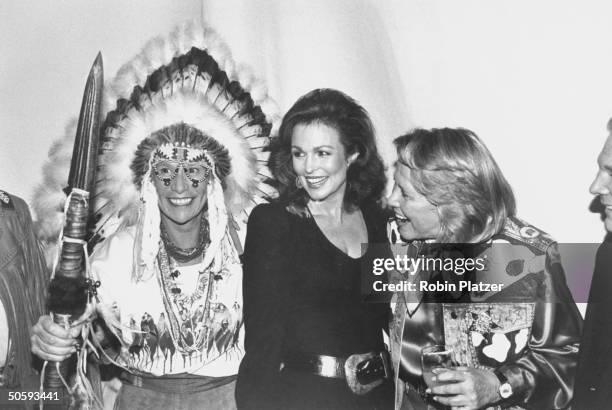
<point>97,68</point>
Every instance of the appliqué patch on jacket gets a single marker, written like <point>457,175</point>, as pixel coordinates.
<point>515,267</point>
<point>487,334</point>
<point>519,231</point>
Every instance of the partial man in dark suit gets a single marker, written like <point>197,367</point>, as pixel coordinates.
<point>593,389</point>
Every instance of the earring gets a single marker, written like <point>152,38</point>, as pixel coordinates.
<point>298,183</point>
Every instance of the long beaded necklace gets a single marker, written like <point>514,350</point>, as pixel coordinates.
<point>178,303</point>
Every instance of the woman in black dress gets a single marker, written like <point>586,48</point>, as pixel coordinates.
<point>308,329</point>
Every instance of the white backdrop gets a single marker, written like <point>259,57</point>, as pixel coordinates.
<point>47,49</point>
<point>531,78</point>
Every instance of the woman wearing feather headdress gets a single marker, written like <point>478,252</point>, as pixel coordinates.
<point>180,162</point>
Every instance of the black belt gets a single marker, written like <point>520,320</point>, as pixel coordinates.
<point>362,372</point>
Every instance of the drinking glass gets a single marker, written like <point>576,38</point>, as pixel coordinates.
<point>435,360</point>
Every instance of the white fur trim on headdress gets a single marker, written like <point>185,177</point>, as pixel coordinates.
<point>146,244</point>
<point>217,219</point>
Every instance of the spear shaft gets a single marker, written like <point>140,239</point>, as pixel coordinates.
<point>68,288</point>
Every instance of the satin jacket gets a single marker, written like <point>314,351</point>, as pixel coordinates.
<point>529,330</point>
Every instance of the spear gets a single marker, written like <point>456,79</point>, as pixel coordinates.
<point>68,289</point>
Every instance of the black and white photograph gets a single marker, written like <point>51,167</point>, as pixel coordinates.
<point>291,204</point>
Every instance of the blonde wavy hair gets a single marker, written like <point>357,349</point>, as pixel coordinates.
<point>456,172</point>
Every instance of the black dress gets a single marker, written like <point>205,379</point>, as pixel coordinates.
<point>302,295</point>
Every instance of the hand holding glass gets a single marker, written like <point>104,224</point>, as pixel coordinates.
<point>435,360</point>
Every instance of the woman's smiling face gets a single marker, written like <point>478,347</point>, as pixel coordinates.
<point>416,217</point>
<point>320,161</point>
<point>180,201</point>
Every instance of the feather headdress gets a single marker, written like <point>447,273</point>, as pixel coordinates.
<point>188,77</point>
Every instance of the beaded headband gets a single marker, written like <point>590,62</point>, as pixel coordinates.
<point>168,159</point>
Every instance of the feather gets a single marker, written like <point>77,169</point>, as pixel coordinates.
<point>189,76</point>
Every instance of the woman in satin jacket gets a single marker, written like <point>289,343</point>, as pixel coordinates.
<point>514,328</point>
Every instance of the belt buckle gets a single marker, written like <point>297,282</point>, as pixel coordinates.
<point>364,372</point>
<point>386,362</point>
<point>374,368</point>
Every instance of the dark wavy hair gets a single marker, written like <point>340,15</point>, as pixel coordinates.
<point>365,176</point>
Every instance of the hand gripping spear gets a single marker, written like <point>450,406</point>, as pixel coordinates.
<point>69,287</point>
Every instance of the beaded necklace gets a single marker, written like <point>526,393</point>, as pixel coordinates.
<point>182,255</point>
<point>178,303</point>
